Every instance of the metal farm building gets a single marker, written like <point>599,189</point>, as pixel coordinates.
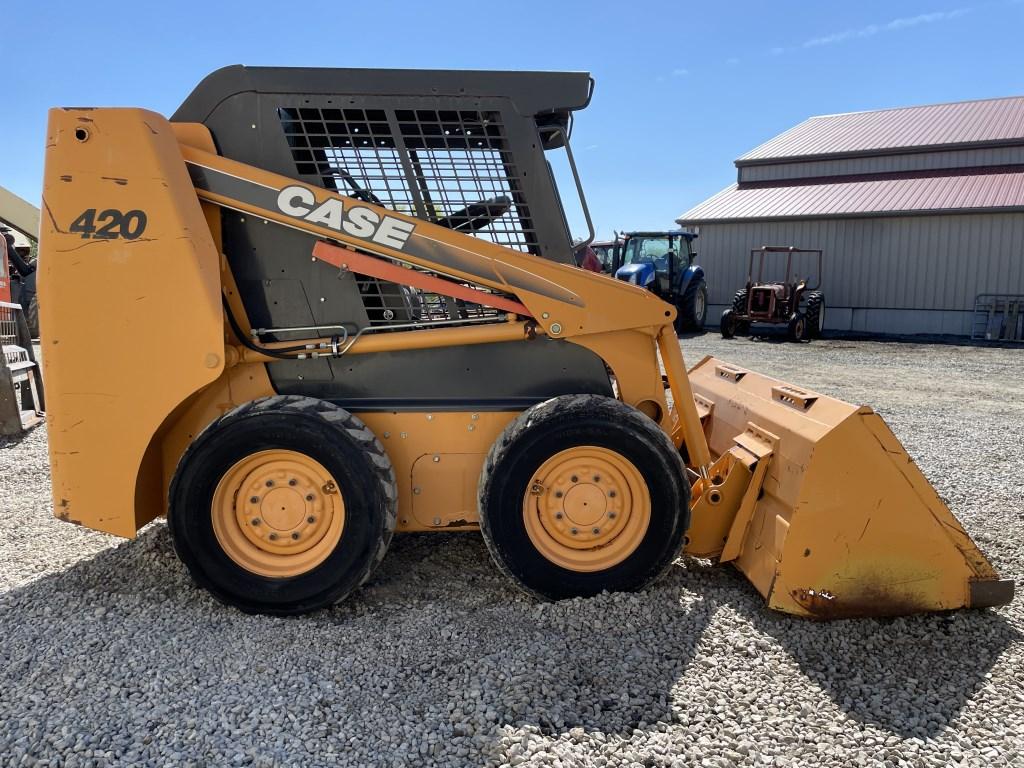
<point>918,210</point>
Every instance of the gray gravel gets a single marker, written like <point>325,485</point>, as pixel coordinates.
<point>110,656</point>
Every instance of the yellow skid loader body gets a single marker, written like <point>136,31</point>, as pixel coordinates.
<point>813,499</point>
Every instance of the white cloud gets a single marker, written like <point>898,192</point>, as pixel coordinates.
<point>894,25</point>
<point>680,72</point>
<point>732,61</point>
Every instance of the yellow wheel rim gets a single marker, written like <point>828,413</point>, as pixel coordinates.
<point>587,509</point>
<point>278,513</point>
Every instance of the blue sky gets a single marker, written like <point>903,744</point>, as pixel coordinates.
<point>682,88</point>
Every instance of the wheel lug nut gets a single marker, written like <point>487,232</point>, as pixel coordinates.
<point>559,515</point>
<point>273,537</point>
<point>575,479</point>
<point>310,519</point>
<point>611,494</point>
<point>597,478</point>
<point>295,536</point>
<point>559,494</point>
<point>611,515</point>
<point>254,499</point>
<point>573,531</point>
<point>293,481</point>
<point>596,531</point>
<point>255,521</point>
<point>270,483</point>
<point>309,497</point>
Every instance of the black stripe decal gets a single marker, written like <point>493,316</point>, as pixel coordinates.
<point>250,193</point>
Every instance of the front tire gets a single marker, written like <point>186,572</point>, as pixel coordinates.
<point>583,494</point>
<point>693,307</point>
<point>283,505</point>
<point>729,324</point>
<point>797,327</point>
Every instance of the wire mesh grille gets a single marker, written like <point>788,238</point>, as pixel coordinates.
<point>432,164</point>
<point>451,167</point>
<point>387,303</point>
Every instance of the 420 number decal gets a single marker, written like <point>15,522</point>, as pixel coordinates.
<point>109,224</point>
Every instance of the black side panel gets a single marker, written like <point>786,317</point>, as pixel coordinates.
<point>281,285</point>
<point>505,376</point>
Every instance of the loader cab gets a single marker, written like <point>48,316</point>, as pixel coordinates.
<point>468,150</point>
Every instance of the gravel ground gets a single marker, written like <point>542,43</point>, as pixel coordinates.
<point>110,656</point>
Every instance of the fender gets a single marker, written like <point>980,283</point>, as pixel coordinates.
<point>691,273</point>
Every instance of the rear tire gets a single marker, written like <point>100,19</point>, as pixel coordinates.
<point>739,302</point>
<point>283,505</point>
<point>815,314</point>
<point>583,494</point>
<point>693,307</point>
<point>729,324</point>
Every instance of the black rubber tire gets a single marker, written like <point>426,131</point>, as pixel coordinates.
<point>29,301</point>
<point>739,302</point>
<point>739,306</point>
<point>321,430</point>
<point>689,317</point>
<point>729,324</point>
<point>555,425</point>
<point>815,312</point>
<point>797,327</point>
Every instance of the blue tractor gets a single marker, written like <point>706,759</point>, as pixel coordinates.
<point>663,262</point>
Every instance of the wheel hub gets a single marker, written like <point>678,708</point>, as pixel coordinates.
<point>277,513</point>
<point>588,508</point>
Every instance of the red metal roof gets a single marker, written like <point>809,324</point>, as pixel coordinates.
<point>936,125</point>
<point>890,195</point>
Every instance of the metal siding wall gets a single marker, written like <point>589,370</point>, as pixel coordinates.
<point>917,161</point>
<point>927,269</point>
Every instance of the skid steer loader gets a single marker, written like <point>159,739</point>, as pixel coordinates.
<point>340,304</point>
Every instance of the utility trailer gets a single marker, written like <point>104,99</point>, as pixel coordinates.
<point>384,332</point>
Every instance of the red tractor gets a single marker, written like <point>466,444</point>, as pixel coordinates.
<point>792,302</point>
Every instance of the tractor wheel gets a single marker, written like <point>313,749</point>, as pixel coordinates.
<point>583,494</point>
<point>798,326</point>
<point>283,505</point>
<point>739,302</point>
<point>693,307</point>
<point>29,301</point>
<point>730,324</point>
<point>815,314</point>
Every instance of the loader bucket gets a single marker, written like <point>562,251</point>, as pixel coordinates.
<point>845,524</point>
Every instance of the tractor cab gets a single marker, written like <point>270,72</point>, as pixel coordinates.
<point>663,262</point>
<point>607,252</point>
